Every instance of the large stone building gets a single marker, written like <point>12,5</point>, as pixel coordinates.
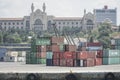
<point>106,14</point>
<point>38,20</point>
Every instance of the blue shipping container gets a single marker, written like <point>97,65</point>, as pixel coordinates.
<point>49,62</point>
<point>2,53</point>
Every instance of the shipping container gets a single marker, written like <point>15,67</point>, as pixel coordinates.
<point>82,55</point>
<point>2,53</point>
<point>90,62</point>
<point>70,47</point>
<point>62,62</point>
<point>61,46</point>
<point>99,54</point>
<point>111,53</point>
<point>55,48</point>
<point>97,44</point>
<point>43,41</point>
<point>68,55</point>
<point>91,54</point>
<point>49,62</point>
<point>41,61</point>
<point>58,40</point>
<point>56,62</point>
<point>98,61</point>
<point>108,61</point>
<point>12,53</point>
<point>49,55</point>
<point>93,48</point>
<point>56,55</point>
<point>10,58</point>
<point>20,59</point>
<point>69,62</point>
<point>78,63</point>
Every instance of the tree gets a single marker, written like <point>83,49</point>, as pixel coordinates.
<point>104,34</point>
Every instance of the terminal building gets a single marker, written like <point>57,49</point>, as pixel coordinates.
<point>38,20</point>
<point>106,14</point>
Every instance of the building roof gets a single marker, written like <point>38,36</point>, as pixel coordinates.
<point>67,18</point>
<point>11,19</point>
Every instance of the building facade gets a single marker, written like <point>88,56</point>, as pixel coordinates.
<point>38,20</point>
<point>106,14</point>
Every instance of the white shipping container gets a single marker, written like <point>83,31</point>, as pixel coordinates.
<point>10,59</point>
<point>21,59</point>
<point>12,53</point>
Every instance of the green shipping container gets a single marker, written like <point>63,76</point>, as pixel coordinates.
<point>49,55</point>
<point>111,53</point>
<point>41,61</point>
<point>108,61</point>
<point>41,41</point>
<point>61,47</point>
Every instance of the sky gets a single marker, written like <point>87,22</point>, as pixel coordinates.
<point>58,8</point>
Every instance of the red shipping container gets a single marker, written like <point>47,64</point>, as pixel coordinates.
<point>70,47</point>
<point>99,54</point>
<point>61,55</point>
<point>56,62</point>
<point>55,48</point>
<point>43,48</point>
<point>69,62</point>
<point>98,61</point>
<point>57,40</point>
<point>43,54</point>
<point>82,55</point>
<point>91,54</point>
<point>90,62</point>
<point>62,62</point>
<point>56,55</point>
<point>38,48</point>
<point>74,55</point>
<point>94,44</point>
<point>68,55</point>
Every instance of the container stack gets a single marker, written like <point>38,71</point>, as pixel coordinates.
<point>111,57</point>
<point>38,51</point>
<point>96,46</point>
<point>53,50</point>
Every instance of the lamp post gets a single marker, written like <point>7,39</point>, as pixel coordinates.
<point>1,34</point>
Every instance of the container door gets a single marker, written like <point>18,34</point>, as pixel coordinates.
<point>81,63</point>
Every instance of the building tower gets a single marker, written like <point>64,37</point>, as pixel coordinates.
<point>44,7</point>
<point>32,7</point>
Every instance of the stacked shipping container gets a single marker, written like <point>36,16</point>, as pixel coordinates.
<point>38,51</point>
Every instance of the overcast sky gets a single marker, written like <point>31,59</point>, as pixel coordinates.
<point>58,8</point>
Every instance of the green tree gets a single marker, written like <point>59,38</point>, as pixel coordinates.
<point>104,34</point>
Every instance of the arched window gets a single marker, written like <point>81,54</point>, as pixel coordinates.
<point>89,22</point>
<point>38,22</point>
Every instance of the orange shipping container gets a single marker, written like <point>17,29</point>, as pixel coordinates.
<point>68,55</point>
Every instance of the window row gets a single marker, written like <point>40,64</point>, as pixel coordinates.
<point>11,23</point>
<point>66,22</point>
